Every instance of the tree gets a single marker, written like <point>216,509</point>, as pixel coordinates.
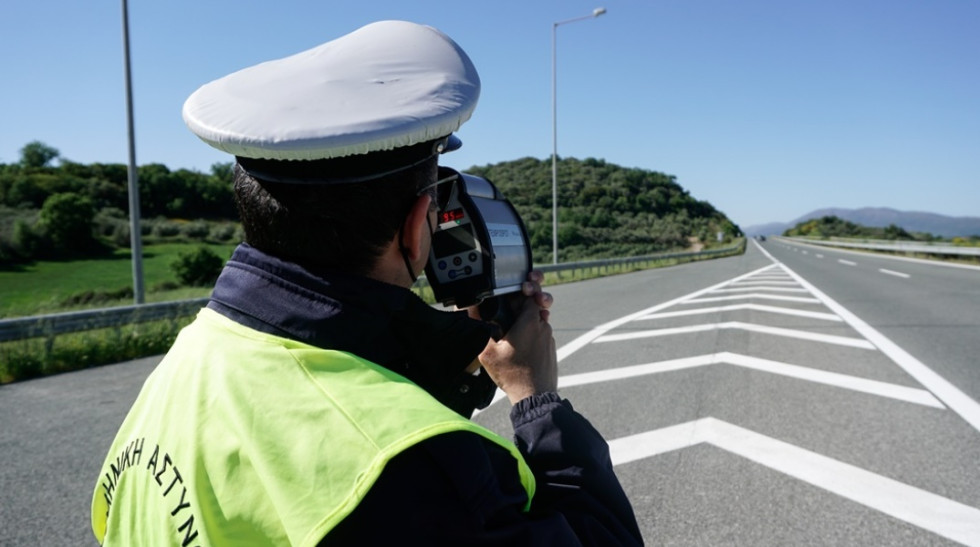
<point>893,231</point>
<point>66,221</point>
<point>224,172</point>
<point>199,267</point>
<point>37,154</point>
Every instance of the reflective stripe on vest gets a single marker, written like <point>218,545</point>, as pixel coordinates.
<point>244,438</point>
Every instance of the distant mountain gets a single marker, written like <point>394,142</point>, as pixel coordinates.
<point>911,221</point>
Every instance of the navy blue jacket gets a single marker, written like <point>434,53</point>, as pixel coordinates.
<point>456,488</point>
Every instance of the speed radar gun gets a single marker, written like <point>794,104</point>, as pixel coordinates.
<point>480,253</point>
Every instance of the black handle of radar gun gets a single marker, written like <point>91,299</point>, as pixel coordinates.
<point>502,311</point>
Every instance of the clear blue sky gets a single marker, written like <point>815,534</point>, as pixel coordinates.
<point>766,108</point>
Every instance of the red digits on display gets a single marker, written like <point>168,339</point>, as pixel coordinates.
<point>451,216</point>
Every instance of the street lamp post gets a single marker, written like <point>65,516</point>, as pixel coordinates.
<point>135,238</point>
<point>554,124</point>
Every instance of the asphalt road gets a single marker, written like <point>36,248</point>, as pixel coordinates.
<point>765,399</point>
<point>56,432</point>
<point>783,398</point>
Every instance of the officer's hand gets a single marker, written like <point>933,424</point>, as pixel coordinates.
<point>524,362</point>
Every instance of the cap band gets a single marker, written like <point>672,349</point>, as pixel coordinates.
<point>344,170</point>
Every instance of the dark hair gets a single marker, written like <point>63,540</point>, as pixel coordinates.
<point>337,227</point>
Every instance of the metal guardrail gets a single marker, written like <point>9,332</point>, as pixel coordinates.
<point>895,246</point>
<point>49,326</point>
<point>611,262</point>
<point>591,264</point>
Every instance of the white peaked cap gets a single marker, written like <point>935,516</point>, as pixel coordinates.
<point>385,86</point>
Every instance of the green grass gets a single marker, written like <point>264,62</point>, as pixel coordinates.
<point>41,287</point>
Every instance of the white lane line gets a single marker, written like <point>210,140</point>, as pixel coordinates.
<point>949,394</point>
<point>819,256</point>
<point>588,337</point>
<point>872,387</point>
<point>943,516</point>
<point>762,288</point>
<point>846,262</point>
<point>785,281</point>
<point>738,307</point>
<point>896,274</point>
<point>887,257</point>
<point>765,252</point>
<point>778,331</point>
<point>753,295</point>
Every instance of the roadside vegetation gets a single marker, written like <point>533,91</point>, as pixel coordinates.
<point>65,239</point>
<point>831,228</point>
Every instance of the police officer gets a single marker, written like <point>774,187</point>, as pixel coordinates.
<point>316,400</point>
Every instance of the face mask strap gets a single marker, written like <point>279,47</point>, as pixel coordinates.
<point>404,250</point>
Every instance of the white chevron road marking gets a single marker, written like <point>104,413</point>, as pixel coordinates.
<point>942,516</point>
<point>750,307</point>
<point>872,387</point>
<point>738,325</point>
<point>588,337</point>
<point>801,299</point>
<point>757,281</point>
<point>762,288</point>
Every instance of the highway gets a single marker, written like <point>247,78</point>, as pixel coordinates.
<point>792,395</point>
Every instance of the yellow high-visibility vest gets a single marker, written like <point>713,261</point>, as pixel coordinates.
<point>245,438</point>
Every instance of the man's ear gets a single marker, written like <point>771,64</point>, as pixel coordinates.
<point>415,227</point>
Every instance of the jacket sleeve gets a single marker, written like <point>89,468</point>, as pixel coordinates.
<point>573,470</point>
<point>460,489</point>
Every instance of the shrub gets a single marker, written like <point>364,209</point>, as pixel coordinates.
<point>22,361</point>
<point>25,241</point>
<point>25,359</point>
<point>108,220</point>
<point>222,232</point>
<point>121,235</point>
<point>198,268</point>
<point>197,229</point>
<point>165,228</point>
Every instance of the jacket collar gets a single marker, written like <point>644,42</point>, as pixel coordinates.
<point>382,323</point>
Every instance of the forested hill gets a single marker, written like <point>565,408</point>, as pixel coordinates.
<point>605,210</point>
